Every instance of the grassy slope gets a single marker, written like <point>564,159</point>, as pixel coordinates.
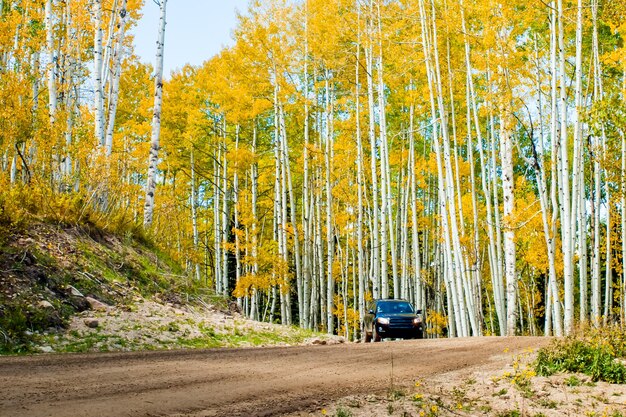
<point>41,264</point>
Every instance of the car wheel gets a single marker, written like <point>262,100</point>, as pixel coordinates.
<point>375,336</point>
<point>365,336</point>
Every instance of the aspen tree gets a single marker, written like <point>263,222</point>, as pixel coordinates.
<point>553,292</point>
<point>376,267</point>
<point>577,166</point>
<point>387,238</point>
<point>52,62</point>
<point>254,174</point>
<point>328,165</point>
<point>454,310</point>
<point>217,235</point>
<point>97,72</point>
<point>564,181</point>
<point>225,222</point>
<point>492,250</point>
<point>418,298</point>
<point>360,176</point>
<point>596,290</point>
<point>456,257</point>
<point>307,262</point>
<point>194,212</point>
<point>292,208</point>
<point>115,80</point>
<point>236,209</point>
<point>156,120</point>
<point>538,165</point>
<point>608,277</point>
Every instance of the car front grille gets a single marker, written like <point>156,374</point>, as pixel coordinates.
<point>401,323</point>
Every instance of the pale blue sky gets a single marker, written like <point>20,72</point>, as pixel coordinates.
<point>196,30</point>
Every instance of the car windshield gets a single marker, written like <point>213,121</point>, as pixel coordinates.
<point>395,308</point>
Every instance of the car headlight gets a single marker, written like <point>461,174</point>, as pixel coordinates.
<point>383,320</point>
<point>417,320</point>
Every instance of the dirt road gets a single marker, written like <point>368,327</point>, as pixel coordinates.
<point>237,382</point>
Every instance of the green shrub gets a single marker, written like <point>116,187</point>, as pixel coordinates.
<point>595,353</point>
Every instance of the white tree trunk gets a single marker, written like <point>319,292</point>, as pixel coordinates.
<point>494,263</point>
<point>308,249</point>
<point>328,163</point>
<point>508,183</point>
<point>416,258</point>
<point>385,186</point>
<point>156,121</point>
<point>360,179</point>
<point>454,311</point>
<point>194,214</point>
<point>254,314</point>
<point>97,72</point>
<point>118,56</point>
<point>565,189</point>
<point>52,62</point>
<point>376,263</point>
<point>556,302</point>
<point>463,293</point>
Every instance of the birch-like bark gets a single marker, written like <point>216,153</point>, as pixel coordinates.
<point>457,259</point>
<point>278,203</point>
<point>476,255</point>
<point>217,244</point>
<point>496,280</point>
<point>597,194</point>
<point>108,44</point>
<point>608,275</point>
<point>194,214</point>
<point>577,166</point>
<point>52,63</point>
<point>118,56</point>
<point>236,207</point>
<point>254,173</point>
<point>376,263</point>
<point>71,100</point>
<point>97,72</point>
<point>506,156</point>
<point>156,121</point>
<point>537,163</point>
<point>307,249</point>
<point>454,311</point>
<point>328,164</point>
<point>388,241</point>
<point>416,261</point>
<point>294,222</point>
<point>565,189</point>
<point>360,177</point>
<point>553,287</point>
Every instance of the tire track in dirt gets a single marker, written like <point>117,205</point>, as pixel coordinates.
<point>232,382</point>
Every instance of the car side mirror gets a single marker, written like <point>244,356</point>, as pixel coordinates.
<point>418,312</point>
<point>371,312</point>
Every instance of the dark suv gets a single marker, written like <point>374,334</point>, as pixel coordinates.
<point>392,319</point>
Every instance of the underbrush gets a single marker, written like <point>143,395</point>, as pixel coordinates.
<point>599,353</point>
<point>56,249</point>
